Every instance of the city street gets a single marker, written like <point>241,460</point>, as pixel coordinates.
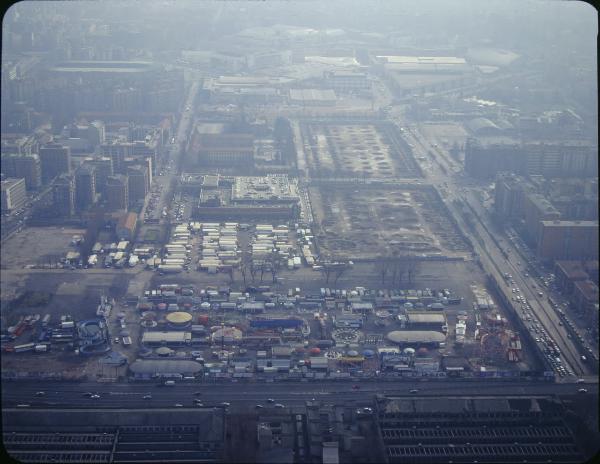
<point>248,395</point>
<point>490,255</point>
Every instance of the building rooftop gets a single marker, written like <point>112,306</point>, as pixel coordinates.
<point>415,336</point>
<point>542,203</point>
<point>423,317</point>
<point>573,270</point>
<point>268,188</point>
<point>558,223</point>
<point>127,221</point>
<point>589,290</point>
<point>8,183</point>
<point>210,128</point>
<point>179,317</point>
<point>164,366</point>
<point>166,337</point>
<point>427,60</point>
<point>104,66</point>
<point>312,95</point>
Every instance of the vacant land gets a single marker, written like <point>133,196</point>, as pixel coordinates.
<point>41,246</point>
<point>357,150</point>
<point>368,222</point>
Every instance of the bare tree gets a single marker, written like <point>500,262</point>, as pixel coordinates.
<point>412,267</point>
<point>273,261</point>
<point>339,270</point>
<point>326,269</point>
<point>381,267</point>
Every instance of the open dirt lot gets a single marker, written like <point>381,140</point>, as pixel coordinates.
<point>356,150</point>
<point>365,223</point>
<point>37,245</point>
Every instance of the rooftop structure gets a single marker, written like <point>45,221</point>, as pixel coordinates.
<point>103,67</point>
<point>482,429</point>
<point>268,189</point>
<point>312,97</point>
<point>166,338</point>
<point>271,196</point>
<point>113,434</point>
<point>126,226</point>
<point>416,337</point>
<point>164,367</point>
<point>13,193</point>
<point>179,319</point>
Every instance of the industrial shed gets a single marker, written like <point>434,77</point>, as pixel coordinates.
<point>149,368</point>
<point>279,365</point>
<point>426,320</point>
<point>166,338</point>
<point>416,337</point>
<point>319,362</point>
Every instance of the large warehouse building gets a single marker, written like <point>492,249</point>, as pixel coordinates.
<point>171,368</point>
<point>167,338</point>
<point>416,337</point>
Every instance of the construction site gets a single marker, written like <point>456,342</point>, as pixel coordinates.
<point>373,150</point>
<point>378,220</point>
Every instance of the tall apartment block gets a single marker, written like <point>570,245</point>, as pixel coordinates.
<point>103,168</point>
<point>55,160</point>
<point>85,187</point>
<point>508,196</point>
<point>14,195</point>
<point>485,157</point>
<point>138,183</point>
<point>567,240</point>
<point>64,195</point>
<point>535,210</point>
<point>26,166</point>
<point>117,193</point>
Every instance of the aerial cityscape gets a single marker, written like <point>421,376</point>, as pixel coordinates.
<point>299,232</point>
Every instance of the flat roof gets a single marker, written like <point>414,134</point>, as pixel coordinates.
<point>179,317</point>
<point>166,337</point>
<point>405,59</point>
<point>573,269</point>
<point>569,223</point>
<point>426,317</point>
<point>312,95</point>
<point>8,183</point>
<point>588,288</point>
<point>164,366</point>
<point>267,188</point>
<point>416,336</point>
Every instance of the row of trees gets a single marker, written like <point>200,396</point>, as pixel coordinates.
<point>396,269</point>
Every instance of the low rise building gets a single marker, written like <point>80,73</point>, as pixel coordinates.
<point>13,193</point>
<point>126,226</point>
<point>145,369</point>
<point>175,338</point>
<point>426,320</point>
